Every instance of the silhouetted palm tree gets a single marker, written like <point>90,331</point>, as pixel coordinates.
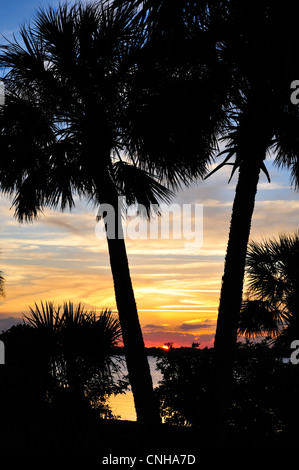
<point>62,137</point>
<point>250,47</point>
<point>79,345</point>
<point>272,307</point>
<point>263,119</point>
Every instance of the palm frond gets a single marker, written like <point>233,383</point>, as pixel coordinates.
<point>269,264</point>
<point>138,186</point>
<point>44,317</point>
<point>73,315</point>
<point>273,282</point>
<point>65,83</point>
<point>258,318</point>
<point>109,324</point>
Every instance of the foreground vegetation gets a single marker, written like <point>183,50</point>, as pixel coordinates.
<point>61,358</point>
<point>42,407</point>
<point>264,398</point>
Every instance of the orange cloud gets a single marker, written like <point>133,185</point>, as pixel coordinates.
<point>177,290</point>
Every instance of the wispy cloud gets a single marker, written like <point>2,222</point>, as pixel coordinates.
<point>177,292</point>
<point>154,327</point>
<point>196,325</point>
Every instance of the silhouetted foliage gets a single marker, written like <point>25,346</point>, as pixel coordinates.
<point>214,61</point>
<point>272,299</point>
<point>63,135</point>
<point>63,357</point>
<point>184,387</point>
<point>262,119</point>
<point>263,402</point>
<point>25,376</point>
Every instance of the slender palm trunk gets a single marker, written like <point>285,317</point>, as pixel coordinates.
<point>146,405</point>
<point>136,358</point>
<point>232,281</point>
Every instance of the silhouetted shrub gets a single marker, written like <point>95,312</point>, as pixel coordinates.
<point>62,358</point>
<point>264,397</point>
<point>184,387</point>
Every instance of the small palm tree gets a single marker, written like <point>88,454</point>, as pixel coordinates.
<point>62,136</point>
<point>79,345</point>
<point>272,307</point>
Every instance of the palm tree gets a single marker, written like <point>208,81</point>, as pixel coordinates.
<point>62,137</point>
<point>272,306</point>
<point>262,119</point>
<point>251,48</point>
<point>79,347</point>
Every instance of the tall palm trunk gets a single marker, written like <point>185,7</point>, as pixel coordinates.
<point>233,278</point>
<point>146,405</point>
<point>136,358</point>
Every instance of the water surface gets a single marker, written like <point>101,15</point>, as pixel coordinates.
<point>123,404</point>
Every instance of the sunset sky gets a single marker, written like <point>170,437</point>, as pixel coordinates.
<point>60,258</point>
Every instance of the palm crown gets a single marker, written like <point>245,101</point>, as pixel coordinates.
<point>63,121</point>
<point>272,302</point>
